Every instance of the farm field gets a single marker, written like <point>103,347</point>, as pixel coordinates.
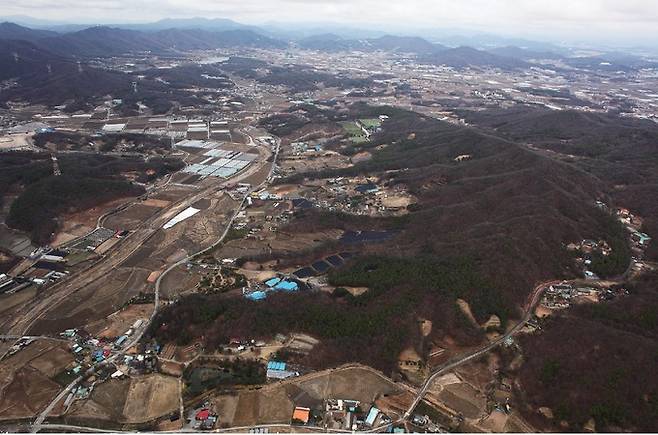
<point>26,378</point>
<point>274,403</point>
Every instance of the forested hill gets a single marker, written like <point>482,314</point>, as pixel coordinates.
<point>485,230</point>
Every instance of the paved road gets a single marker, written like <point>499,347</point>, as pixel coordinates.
<point>534,299</point>
<point>38,422</point>
<point>61,290</point>
<point>31,337</point>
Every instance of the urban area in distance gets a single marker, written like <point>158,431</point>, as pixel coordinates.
<point>328,217</point>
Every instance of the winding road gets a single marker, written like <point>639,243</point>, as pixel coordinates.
<point>38,422</point>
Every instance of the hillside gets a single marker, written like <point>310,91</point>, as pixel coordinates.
<point>595,361</point>
<point>194,39</point>
<point>86,181</point>
<point>102,41</point>
<point>485,230</point>
<point>621,152</point>
<point>523,53</point>
<point>580,133</point>
<point>14,31</point>
<point>403,44</point>
<point>43,77</point>
<point>463,57</point>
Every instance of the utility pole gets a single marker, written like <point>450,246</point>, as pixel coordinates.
<point>56,171</point>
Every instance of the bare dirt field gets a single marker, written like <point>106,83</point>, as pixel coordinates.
<point>117,323</point>
<point>8,303</point>
<point>281,242</point>
<point>106,402</point>
<point>131,217</point>
<point>396,201</point>
<point>150,397</point>
<point>395,405</point>
<point>16,141</point>
<point>25,384</point>
<point>129,401</point>
<point>356,291</point>
<point>495,422</point>
<point>172,193</point>
<point>354,383</point>
<point>178,282</point>
<point>463,398</point>
<point>258,177</point>
<point>80,308</point>
<point>52,363</point>
<point>263,407</point>
<point>225,406</point>
<point>315,163</point>
<point>78,224</point>
<point>283,189</point>
<point>159,203</point>
<point>27,394</point>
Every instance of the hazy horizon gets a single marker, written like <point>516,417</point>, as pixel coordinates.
<point>603,21</point>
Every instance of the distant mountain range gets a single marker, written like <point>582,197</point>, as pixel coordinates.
<point>404,44</point>
<point>460,57</point>
<point>38,59</point>
<point>103,41</point>
<point>14,31</point>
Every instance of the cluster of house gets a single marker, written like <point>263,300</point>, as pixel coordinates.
<point>275,214</point>
<point>560,296</point>
<point>205,419</point>
<point>362,196</point>
<point>90,352</point>
<point>237,345</point>
<point>633,224</point>
<point>340,414</point>
<point>425,422</point>
<point>587,248</point>
<point>299,148</point>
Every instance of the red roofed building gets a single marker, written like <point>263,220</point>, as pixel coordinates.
<point>202,415</point>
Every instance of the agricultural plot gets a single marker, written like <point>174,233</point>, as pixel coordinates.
<point>274,404</point>
<point>26,378</point>
<point>128,401</point>
<point>354,131</point>
<point>370,123</point>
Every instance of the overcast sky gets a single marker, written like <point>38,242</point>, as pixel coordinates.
<point>567,19</point>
